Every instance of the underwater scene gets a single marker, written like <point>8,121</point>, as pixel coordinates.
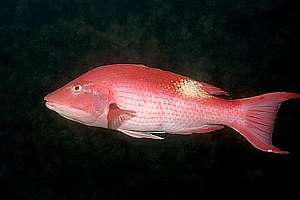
<point>153,99</point>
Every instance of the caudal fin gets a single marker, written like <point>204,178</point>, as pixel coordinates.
<point>257,116</point>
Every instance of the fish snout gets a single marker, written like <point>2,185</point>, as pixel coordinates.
<point>51,97</point>
<point>49,101</point>
<point>46,98</point>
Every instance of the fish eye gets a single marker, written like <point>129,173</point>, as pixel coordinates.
<point>76,88</point>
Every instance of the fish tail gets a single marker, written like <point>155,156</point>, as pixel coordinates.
<point>256,119</point>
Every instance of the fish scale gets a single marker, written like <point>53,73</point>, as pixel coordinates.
<point>159,111</point>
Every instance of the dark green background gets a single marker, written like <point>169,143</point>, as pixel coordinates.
<point>246,47</point>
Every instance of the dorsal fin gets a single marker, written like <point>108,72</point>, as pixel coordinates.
<point>213,90</point>
<point>116,116</point>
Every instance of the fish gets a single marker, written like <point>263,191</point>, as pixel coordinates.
<point>142,101</point>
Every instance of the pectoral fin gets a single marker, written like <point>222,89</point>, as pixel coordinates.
<point>137,134</point>
<point>117,116</point>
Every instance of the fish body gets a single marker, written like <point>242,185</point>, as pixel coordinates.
<point>139,101</point>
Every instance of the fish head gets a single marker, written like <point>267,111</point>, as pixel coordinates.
<point>82,101</point>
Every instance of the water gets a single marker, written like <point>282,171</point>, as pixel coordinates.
<point>247,48</point>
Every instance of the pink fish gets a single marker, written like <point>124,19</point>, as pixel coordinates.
<point>141,101</point>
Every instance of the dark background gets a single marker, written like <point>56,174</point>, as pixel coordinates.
<point>245,47</point>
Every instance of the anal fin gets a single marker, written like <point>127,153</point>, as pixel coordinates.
<point>201,129</point>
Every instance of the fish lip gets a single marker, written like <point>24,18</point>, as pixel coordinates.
<point>58,108</point>
<point>51,105</point>
<point>55,106</point>
<point>46,98</point>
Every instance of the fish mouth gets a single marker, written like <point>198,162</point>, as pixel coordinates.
<point>57,107</point>
<point>71,113</point>
<point>51,105</point>
<point>60,109</point>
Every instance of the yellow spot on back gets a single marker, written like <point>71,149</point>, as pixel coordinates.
<point>190,88</point>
